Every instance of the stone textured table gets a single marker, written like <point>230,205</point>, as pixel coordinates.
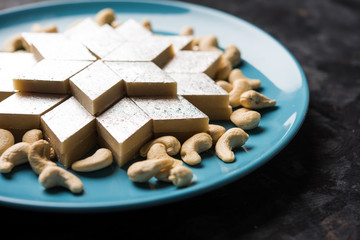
<point>311,190</point>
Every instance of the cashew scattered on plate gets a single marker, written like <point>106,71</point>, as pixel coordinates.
<point>224,68</point>
<point>6,140</point>
<point>146,24</point>
<point>100,159</point>
<point>215,131</point>
<point>34,135</point>
<point>38,28</point>
<point>187,31</point>
<point>39,156</point>
<point>255,100</point>
<point>172,144</point>
<point>15,155</point>
<point>238,74</point>
<point>232,53</point>
<point>105,16</point>
<point>245,119</point>
<point>239,86</point>
<point>181,176</point>
<point>53,176</point>
<point>142,171</point>
<point>196,144</point>
<point>233,137</point>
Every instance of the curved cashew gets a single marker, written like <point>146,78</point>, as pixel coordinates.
<point>53,176</point>
<point>186,31</point>
<point>15,155</point>
<point>6,140</point>
<point>208,43</point>
<point>255,100</point>
<point>142,171</point>
<point>34,135</point>
<point>191,148</point>
<point>100,159</point>
<point>39,156</point>
<point>146,24</point>
<point>232,53</point>
<point>224,68</point>
<point>245,119</point>
<point>239,86</point>
<point>172,145</point>
<point>181,176</point>
<point>37,28</point>
<point>234,137</point>
<point>215,131</point>
<point>163,174</point>
<point>13,43</point>
<point>105,16</point>
<point>238,74</point>
<point>225,85</point>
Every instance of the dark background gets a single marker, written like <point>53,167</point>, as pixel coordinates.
<point>311,190</point>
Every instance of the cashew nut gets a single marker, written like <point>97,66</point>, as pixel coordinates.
<point>239,86</point>
<point>234,137</point>
<point>208,43</point>
<point>146,24</point>
<point>142,171</point>
<point>172,145</point>
<point>181,176</point>
<point>232,53</point>
<point>6,140</point>
<point>163,174</point>
<point>37,28</point>
<point>255,100</point>
<point>53,176</point>
<point>100,159</point>
<point>13,43</point>
<point>15,155</point>
<point>238,74</point>
<point>39,156</point>
<point>215,131</point>
<point>225,85</point>
<point>224,68</point>
<point>105,16</point>
<point>245,119</point>
<point>187,31</point>
<point>115,23</point>
<point>34,135</point>
<point>196,144</point>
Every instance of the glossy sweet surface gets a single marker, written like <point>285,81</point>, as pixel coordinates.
<point>110,188</point>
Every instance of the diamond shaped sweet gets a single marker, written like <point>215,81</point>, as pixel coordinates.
<point>133,31</point>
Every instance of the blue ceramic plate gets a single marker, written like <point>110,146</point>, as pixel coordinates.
<point>264,58</point>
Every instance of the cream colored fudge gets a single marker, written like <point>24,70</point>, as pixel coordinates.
<point>173,115</point>
<point>194,62</point>
<point>71,130</point>
<point>11,64</point>
<point>149,50</point>
<point>50,76</point>
<point>100,40</point>
<point>55,46</point>
<point>204,93</point>
<point>124,128</point>
<point>133,31</point>
<point>144,79</point>
<point>23,110</point>
<point>178,42</point>
<point>97,87</point>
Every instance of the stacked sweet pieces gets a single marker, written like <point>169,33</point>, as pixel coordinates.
<point>128,85</point>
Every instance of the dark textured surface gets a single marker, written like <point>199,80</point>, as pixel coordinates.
<point>311,190</point>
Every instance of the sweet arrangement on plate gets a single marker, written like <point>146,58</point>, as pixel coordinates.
<point>130,91</point>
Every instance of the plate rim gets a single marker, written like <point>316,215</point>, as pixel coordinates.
<point>185,193</point>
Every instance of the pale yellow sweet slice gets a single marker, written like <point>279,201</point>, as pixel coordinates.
<point>173,114</point>
<point>194,62</point>
<point>11,64</point>
<point>23,110</point>
<point>149,50</point>
<point>124,128</point>
<point>100,40</point>
<point>55,46</point>
<point>144,79</point>
<point>67,127</point>
<point>97,87</point>
<point>49,76</point>
<point>133,31</point>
